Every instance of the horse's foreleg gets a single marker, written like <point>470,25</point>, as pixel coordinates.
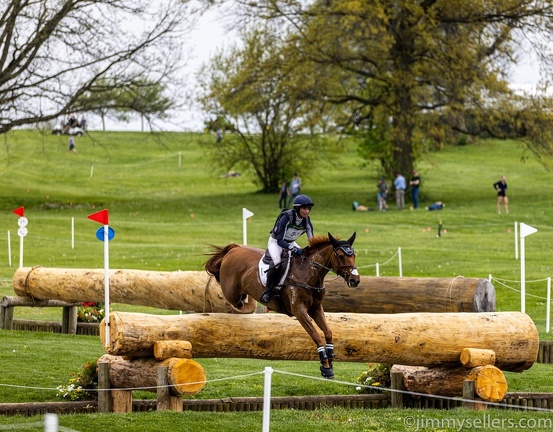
<point>319,317</point>
<point>305,320</point>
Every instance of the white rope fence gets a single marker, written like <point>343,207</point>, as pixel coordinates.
<point>547,298</point>
<point>51,423</point>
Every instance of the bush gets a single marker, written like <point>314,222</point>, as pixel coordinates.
<point>91,312</point>
<point>377,376</point>
<point>80,384</point>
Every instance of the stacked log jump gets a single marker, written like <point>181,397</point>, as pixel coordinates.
<point>422,339</point>
<point>199,292</point>
<point>443,349</point>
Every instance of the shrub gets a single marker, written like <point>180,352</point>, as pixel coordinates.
<point>80,384</point>
<point>91,312</point>
<point>377,376</point>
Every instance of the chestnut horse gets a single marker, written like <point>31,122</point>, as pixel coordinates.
<point>301,295</point>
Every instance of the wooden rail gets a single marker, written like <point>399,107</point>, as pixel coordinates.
<point>8,303</point>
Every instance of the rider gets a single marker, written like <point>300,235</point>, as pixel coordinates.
<point>289,225</point>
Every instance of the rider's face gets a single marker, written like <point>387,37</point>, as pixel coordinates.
<point>304,211</point>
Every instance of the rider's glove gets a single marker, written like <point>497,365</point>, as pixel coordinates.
<point>297,251</point>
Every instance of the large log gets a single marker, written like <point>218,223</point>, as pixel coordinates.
<point>489,382</point>
<point>385,295</point>
<point>198,292</point>
<point>423,339</point>
<point>186,291</point>
<point>185,376</point>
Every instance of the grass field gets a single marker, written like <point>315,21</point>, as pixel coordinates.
<point>167,205</point>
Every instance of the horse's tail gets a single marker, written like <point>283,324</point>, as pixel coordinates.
<point>213,264</point>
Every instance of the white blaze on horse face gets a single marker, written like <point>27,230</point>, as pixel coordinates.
<point>355,272</point>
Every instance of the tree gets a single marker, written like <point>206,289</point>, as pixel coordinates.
<point>141,96</point>
<point>404,71</point>
<point>52,53</point>
<point>253,91</point>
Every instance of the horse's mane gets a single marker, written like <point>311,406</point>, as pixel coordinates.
<point>318,242</point>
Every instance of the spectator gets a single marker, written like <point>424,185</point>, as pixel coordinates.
<point>501,188</point>
<point>283,195</point>
<point>72,144</point>
<point>415,185</point>
<point>400,186</point>
<point>436,206</point>
<point>295,188</point>
<point>382,194</point>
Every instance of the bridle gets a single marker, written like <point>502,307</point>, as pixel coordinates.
<point>347,250</point>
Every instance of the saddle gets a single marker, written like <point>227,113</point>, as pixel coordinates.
<point>265,264</point>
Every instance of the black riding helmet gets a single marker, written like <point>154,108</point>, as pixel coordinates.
<point>302,201</point>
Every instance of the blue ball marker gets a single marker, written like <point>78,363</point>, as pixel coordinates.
<point>100,233</point>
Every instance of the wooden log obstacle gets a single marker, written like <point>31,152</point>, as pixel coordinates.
<point>69,314</point>
<point>170,378</point>
<point>199,292</point>
<point>416,339</point>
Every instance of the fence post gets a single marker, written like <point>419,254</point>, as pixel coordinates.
<point>397,389</point>
<point>105,402</point>
<point>267,399</point>
<point>162,388</point>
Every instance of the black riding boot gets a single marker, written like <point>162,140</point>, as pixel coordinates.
<point>272,280</point>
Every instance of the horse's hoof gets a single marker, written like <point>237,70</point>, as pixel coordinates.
<point>328,373</point>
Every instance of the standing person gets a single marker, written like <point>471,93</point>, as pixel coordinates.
<point>400,185</point>
<point>72,144</point>
<point>382,194</point>
<point>415,185</point>
<point>295,188</point>
<point>501,188</point>
<point>282,195</point>
<point>289,225</point>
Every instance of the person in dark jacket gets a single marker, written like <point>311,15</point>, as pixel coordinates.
<point>501,188</point>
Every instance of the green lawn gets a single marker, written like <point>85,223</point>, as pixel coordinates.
<point>167,205</point>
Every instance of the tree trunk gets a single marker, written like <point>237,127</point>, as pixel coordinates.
<point>422,339</point>
<point>186,377</point>
<point>186,291</point>
<point>404,295</point>
<point>198,292</point>
<point>490,383</point>
<point>472,357</point>
<point>172,348</point>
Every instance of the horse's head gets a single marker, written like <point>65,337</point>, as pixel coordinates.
<point>344,264</point>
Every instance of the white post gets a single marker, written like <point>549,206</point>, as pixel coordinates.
<point>516,240</point>
<point>72,232</point>
<point>400,266</point>
<point>548,307</point>
<point>490,278</point>
<point>267,399</point>
<point>106,284</point>
<point>525,230</point>
<point>91,171</point>
<point>180,159</point>
<point>377,269</point>
<point>245,215</point>
<point>9,250</point>
<point>20,251</point>
<point>522,277</point>
<point>51,423</point>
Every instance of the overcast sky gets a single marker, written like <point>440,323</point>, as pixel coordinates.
<point>204,42</point>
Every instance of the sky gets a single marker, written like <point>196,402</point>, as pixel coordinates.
<point>210,35</point>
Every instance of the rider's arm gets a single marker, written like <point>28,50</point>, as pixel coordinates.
<point>281,230</point>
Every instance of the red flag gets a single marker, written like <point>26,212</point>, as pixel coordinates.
<point>20,211</point>
<point>101,217</point>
